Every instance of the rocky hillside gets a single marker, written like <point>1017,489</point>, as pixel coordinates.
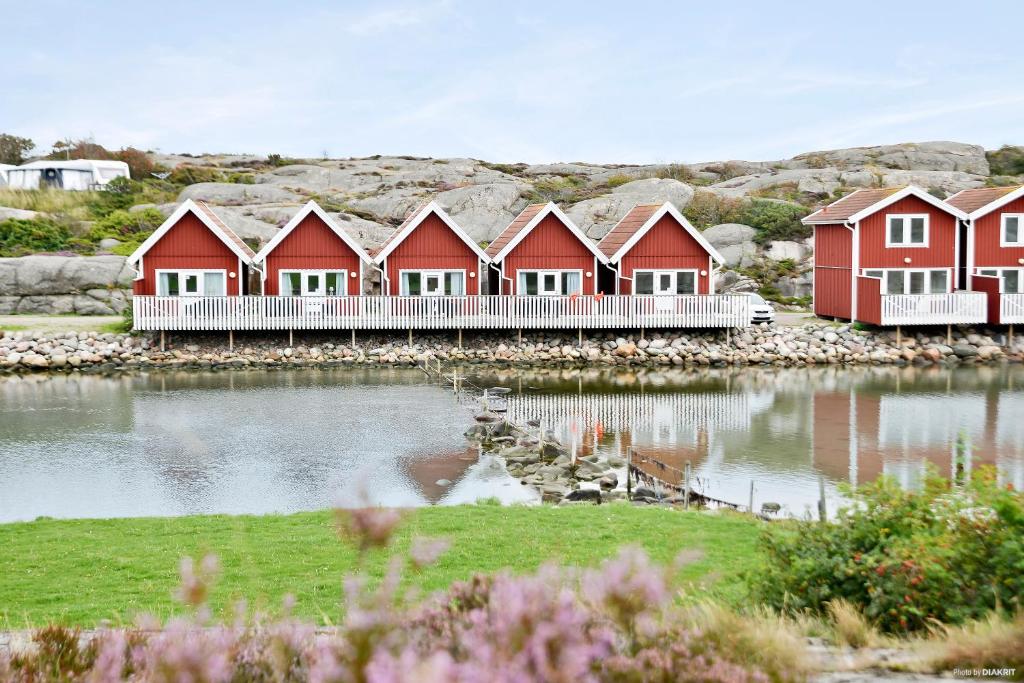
<point>749,210</point>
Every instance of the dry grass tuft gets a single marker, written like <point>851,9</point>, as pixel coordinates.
<point>850,627</point>
<point>992,643</point>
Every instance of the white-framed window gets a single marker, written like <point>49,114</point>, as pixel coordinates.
<point>191,283</point>
<point>432,283</point>
<point>1011,280</point>
<point>664,281</point>
<point>912,280</point>
<point>549,282</point>
<point>313,283</point>
<point>1011,233</point>
<point>906,230</point>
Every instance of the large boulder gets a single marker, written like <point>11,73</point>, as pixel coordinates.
<point>911,156</point>
<point>597,216</point>
<point>780,250</point>
<point>22,214</point>
<point>228,194</point>
<point>244,224</point>
<point>64,284</point>
<point>735,242</point>
<point>949,182</point>
<point>483,211</point>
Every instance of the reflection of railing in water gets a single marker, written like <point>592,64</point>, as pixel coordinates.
<point>664,475</point>
<point>625,412</point>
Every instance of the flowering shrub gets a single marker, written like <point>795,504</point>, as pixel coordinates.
<point>617,623</point>
<point>905,558</point>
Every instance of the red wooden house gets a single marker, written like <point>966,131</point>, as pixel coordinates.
<point>995,248</point>
<point>890,257</point>
<point>430,255</point>
<point>193,253</point>
<point>312,256</point>
<point>655,250</point>
<point>543,253</point>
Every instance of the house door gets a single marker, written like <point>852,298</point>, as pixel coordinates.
<point>664,283</point>
<point>313,284</point>
<point>433,284</point>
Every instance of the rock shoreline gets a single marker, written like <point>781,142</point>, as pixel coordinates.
<point>806,345</point>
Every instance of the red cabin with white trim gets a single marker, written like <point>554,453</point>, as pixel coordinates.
<point>543,253</point>
<point>655,250</point>
<point>995,247</point>
<point>193,253</point>
<point>890,257</point>
<point>312,256</point>
<point>430,255</point>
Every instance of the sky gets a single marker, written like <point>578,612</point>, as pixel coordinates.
<point>604,82</point>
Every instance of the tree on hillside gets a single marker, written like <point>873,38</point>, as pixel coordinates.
<point>13,149</point>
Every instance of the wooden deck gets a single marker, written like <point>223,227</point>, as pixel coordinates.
<point>438,312</point>
<point>956,308</point>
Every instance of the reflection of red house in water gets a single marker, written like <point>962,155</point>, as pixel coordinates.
<point>426,471</point>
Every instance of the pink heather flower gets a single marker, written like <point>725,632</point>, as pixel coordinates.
<point>426,551</point>
<point>195,586</point>
<point>369,527</point>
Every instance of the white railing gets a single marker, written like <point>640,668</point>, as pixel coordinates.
<point>438,312</point>
<point>956,308</point>
<point>1011,308</point>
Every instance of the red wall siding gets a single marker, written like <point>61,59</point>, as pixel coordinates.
<point>833,257</point>
<point>941,249</point>
<point>869,300</point>
<point>550,245</point>
<point>989,285</point>
<point>433,246</point>
<point>666,246</point>
<point>987,229</point>
<point>188,245</point>
<point>312,245</point>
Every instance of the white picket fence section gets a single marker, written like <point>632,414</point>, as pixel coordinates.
<point>437,312</point>
<point>1011,308</point>
<point>956,308</point>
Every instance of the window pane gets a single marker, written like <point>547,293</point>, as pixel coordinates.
<point>167,285</point>
<point>917,282</point>
<point>1012,229</point>
<point>873,273</point>
<point>531,284</point>
<point>939,284</point>
<point>686,282</point>
<point>213,284</point>
<point>410,284</point>
<point>894,281</point>
<point>432,284</point>
<point>191,284</point>
<point>990,273</point>
<point>644,282</point>
<point>1011,281</point>
<point>335,283</point>
<point>550,283</point>
<point>313,283</point>
<point>454,284</point>
<point>571,283</point>
<point>294,284</point>
<point>895,230</point>
<point>917,230</point>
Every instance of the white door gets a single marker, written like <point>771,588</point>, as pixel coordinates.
<point>433,284</point>
<point>664,283</point>
<point>313,284</point>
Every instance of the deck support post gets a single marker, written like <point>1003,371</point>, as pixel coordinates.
<point>949,334</point>
<point>410,336</point>
<point>460,339</point>
<point>231,340</point>
<point>163,341</point>
<point>353,338</point>
<point>642,333</point>
<point>1009,338</point>
<point>520,335</point>
<point>899,337</point>
<point>291,337</point>
<point>728,335</point>
<point>579,335</point>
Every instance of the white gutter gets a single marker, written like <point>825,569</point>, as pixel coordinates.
<point>854,267</point>
<point>610,267</point>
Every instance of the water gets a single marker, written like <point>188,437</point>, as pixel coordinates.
<point>257,442</point>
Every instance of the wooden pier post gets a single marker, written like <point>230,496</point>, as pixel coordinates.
<point>686,487</point>
<point>520,335</point>
<point>629,472</point>
<point>728,335</point>
<point>580,336</point>
<point>163,341</point>
<point>231,340</point>
<point>1009,339</point>
<point>822,512</point>
<point>291,337</point>
<point>949,334</point>
<point>750,506</point>
<point>353,338</point>
<point>899,337</point>
<point>410,336</point>
<point>460,339</point>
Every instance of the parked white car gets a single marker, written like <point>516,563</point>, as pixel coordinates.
<point>760,310</point>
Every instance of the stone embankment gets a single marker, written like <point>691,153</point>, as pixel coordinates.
<point>810,344</point>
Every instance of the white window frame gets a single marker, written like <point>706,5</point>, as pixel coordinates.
<point>674,272</point>
<point>1020,230</point>
<point>185,272</point>
<point>541,272</point>
<point>999,275</point>
<point>866,272</point>
<point>311,271</point>
<point>906,217</point>
<point>431,271</point>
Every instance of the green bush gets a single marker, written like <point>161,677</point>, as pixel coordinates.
<point>775,220</point>
<point>1007,160</point>
<point>19,237</point>
<point>120,193</point>
<point>906,559</point>
<point>126,225</point>
<point>707,209</point>
<point>186,174</point>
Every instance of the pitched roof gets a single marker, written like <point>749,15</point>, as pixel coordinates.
<point>204,207</point>
<point>314,208</point>
<point>211,220</point>
<point>971,200</point>
<point>638,221</point>
<point>526,221</point>
<point>513,229</point>
<point>850,205</point>
<point>626,228</point>
<point>417,216</point>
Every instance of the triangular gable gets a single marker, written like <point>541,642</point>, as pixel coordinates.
<point>638,233</point>
<point>314,208</point>
<point>413,221</point>
<point>206,215</point>
<point>864,202</point>
<point>521,232</point>
<point>982,201</point>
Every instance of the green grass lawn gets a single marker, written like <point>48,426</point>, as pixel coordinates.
<point>85,571</point>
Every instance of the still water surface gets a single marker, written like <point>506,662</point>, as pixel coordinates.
<point>256,442</point>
